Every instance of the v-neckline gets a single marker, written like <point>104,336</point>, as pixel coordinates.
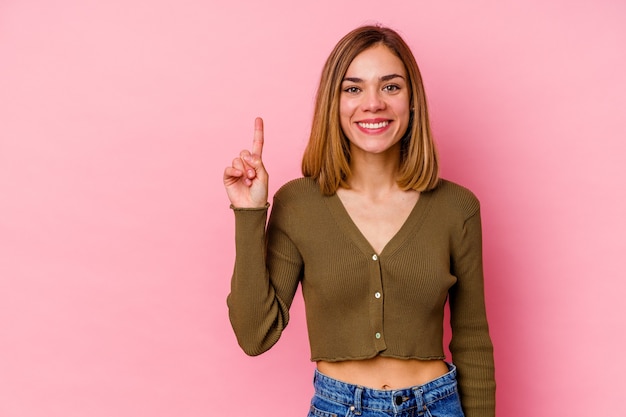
<point>351,230</point>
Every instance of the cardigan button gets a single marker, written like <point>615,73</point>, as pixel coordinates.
<point>374,257</point>
<point>377,335</point>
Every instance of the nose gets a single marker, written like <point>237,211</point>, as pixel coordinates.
<point>372,101</point>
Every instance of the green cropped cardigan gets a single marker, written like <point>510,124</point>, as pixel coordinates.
<point>360,304</point>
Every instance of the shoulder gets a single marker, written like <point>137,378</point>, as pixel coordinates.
<point>296,203</point>
<point>303,190</point>
<point>449,196</point>
<point>298,185</point>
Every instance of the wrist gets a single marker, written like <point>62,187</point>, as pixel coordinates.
<point>250,208</point>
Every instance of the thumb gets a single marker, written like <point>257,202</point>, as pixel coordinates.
<point>253,164</point>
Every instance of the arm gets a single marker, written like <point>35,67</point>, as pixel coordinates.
<point>265,278</point>
<point>258,306</point>
<point>471,347</point>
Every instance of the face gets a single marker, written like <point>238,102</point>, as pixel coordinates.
<point>374,105</point>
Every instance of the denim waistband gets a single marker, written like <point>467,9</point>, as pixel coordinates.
<point>394,401</point>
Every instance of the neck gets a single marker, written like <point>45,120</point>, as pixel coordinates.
<point>374,174</point>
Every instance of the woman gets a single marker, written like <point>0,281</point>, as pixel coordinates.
<point>378,243</point>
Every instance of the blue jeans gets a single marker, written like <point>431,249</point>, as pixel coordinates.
<point>437,398</point>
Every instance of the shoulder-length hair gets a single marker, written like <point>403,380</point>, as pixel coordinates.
<point>327,156</point>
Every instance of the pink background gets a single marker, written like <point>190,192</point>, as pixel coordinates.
<point>116,242</point>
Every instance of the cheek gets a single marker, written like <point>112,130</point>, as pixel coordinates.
<point>345,107</point>
<point>345,113</point>
<point>404,111</point>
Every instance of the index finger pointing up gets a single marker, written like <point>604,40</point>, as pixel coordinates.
<point>257,142</point>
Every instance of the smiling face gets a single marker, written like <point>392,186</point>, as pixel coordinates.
<point>374,108</point>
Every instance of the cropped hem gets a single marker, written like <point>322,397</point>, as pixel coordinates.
<point>381,354</point>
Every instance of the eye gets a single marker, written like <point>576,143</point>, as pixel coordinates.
<point>352,90</point>
<point>391,88</point>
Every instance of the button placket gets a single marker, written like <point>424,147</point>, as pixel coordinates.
<point>376,304</point>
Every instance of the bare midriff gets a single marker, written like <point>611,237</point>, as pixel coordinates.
<point>384,373</point>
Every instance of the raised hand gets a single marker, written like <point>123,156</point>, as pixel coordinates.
<point>246,180</point>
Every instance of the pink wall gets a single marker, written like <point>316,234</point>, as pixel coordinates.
<point>116,241</point>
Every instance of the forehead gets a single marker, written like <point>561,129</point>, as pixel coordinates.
<point>376,61</point>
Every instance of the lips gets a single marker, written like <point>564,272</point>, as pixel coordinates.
<point>378,125</point>
<point>373,125</point>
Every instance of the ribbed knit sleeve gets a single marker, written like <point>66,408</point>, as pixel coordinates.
<point>262,292</point>
<point>471,347</point>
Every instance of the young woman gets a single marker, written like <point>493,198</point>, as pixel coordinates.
<point>378,242</point>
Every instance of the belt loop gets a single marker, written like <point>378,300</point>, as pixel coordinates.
<point>358,394</point>
<point>419,399</point>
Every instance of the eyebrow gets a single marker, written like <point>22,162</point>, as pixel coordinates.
<point>383,78</point>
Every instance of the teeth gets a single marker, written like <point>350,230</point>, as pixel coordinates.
<point>373,125</point>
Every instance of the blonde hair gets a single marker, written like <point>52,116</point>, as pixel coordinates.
<point>327,155</point>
